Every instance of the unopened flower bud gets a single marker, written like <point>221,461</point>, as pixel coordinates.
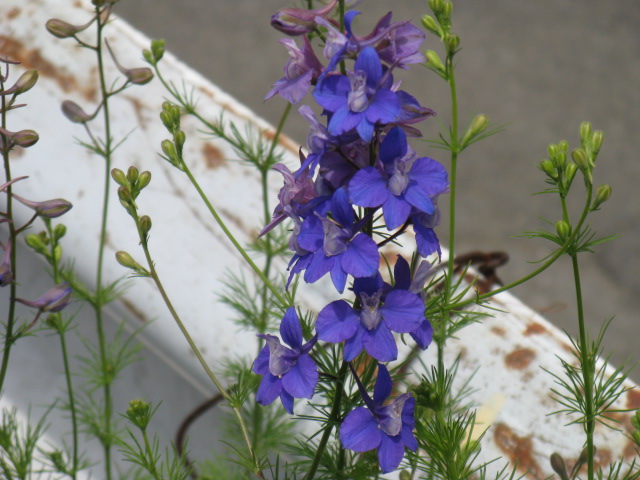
<point>170,151</point>
<point>145,224</point>
<point>580,157</point>
<point>570,170</point>
<point>132,174</point>
<point>119,177</point>
<point>563,145</point>
<point>59,231</point>
<point>127,261</point>
<point>452,42</point>
<point>25,83</point>
<point>139,413</point>
<point>436,6</point>
<point>157,49</point>
<point>298,21</point>
<point>552,150</point>
<point>47,209</point>
<point>478,125</point>
<point>62,29</point>
<point>179,138</point>
<point>404,475</point>
<point>433,59</point>
<point>36,242</point>
<point>563,229</point>
<point>54,300</point>
<point>557,463</point>
<point>144,179</point>
<point>124,194</point>
<point>447,9</point>
<point>429,23</point>
<point>138,76</point>
<point>585,134</point>
<point>75,113</point>
<point>596,142</point>
<point>603,193</point>
<point>25,138</point>
<point>547,167</point>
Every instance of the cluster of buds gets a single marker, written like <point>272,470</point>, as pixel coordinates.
<point>172,149</point>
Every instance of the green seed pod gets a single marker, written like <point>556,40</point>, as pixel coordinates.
<point>119,177</point>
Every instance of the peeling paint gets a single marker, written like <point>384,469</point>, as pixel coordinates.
<point>518,449</point>
<point>520,358</point>
<point>213,156</point>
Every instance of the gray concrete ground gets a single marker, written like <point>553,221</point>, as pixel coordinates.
<point>541,67</point>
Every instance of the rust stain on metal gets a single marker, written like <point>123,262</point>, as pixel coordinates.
<point>135,311</point>
<point>237,221</point>
<point>501,332</point>
<point>534,329</point>
<point>520,358</point>
<point>213,157</point>
<point>518,449</point>
<point>284,141</point>
<point>31,58</point>
<point>13,13</point>
<point>631,450</point>
<point>138,108</point>
<point>633,399</point>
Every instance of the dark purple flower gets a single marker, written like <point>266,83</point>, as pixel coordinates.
<point>301,70</point>
<point>399,182</point>
<point>298,21</point>
<point>47,209</point>
<point>53,300</point>
<point>387,428</point>
<point>336,245</point>
<point>382,311</point>
<point>288,372</point>
<point>360,100</point>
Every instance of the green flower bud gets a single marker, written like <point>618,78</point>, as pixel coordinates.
<point>144,179</point>
<point>57,253</point>
<point>124,194</point>
<point>139,413</point>
<point>404,475</point>
<point>139,76</point>
<point>552,150</point>
<point>127,261</point>
<point>596,142</point>
<point>547,167</point>
<point>157,49</point>
<point>179,138</point>
<point>478,125</point>
<point>145,224</point>
<point>563,229</point>
<point>25,138</point>
<point>585,134</point>
<point>25,83</point>
<point>132,175</point>
<point>603,193</point>
<point>433,60</point>
<point>430,24</point>
<point>169,150</point>
<point>451,42</point>
<point>579,156</point>
<point>570,170</point>
<point>59,231</point>
<point>447,9</point>
<point>36,242</point>
<point>436,5</point>
<point>62,29</point>
<point>563,145</point>
<point>119,177</point>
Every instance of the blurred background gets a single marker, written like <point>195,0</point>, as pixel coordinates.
<point>539,67</point>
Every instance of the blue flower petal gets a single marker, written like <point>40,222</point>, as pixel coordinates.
<point>380,344</point>
<point>390,452</point>
<point>353,346</point>
<point>368,61</point>
<point>319,266</point>
<point>343,120</point>
<point>393,146</point>
<point>403,311</point>
<point>359,431</point>
<point>331,93</point>
<point>365,128</point>
<point>301,380</point>
<point>311,236</point>
<point>338,276</point>
<point>290,329</point>
<point>384,107</point>
<point>261,364</point>
<point>423,335</point>
<point>402,274</point>
<point>417,197</point>
<point>337,322</point>
<point>361,259</point>
<point>430,176</point>
<point>426,240</point>
<point>341,208</point>
<point>396,211</point>
<point>383,387</point>
<point>287,402</point>
<point>368,188</point>
<point>269,389</point>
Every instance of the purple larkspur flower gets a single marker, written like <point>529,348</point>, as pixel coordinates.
<point>383,310</point>
<point>360,100</point>
<point>424,227</point>
<point>298,21</point>
<point>302,69</point>
<point>53,300</point>
<point>387,428</point>
<point>288,372</point>
<point>399,182</point>
<point>336,245</point>
<point>6,274</point>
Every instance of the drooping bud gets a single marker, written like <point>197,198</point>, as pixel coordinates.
<point>54,300</point>
<point>478,125</point>
<point>145,224</point>
<point>557,463</point>
<point>298,21</point>
<point>25,138</point>
<point>75,113</point>
<point>47,209</point>
<point>62,29</point>
<point>137,76</point>
<point>127,261</point>
<point>25,83</point>
<point>433,60</point>
<point>563,229</point>
<point>603,193</point>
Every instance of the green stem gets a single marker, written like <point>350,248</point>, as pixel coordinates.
<point>334,417</point>
<point>196,350</point>
<point>98,303</point>
<point>150,457</point>
<point>233,240</point>
<point>8,338</point>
